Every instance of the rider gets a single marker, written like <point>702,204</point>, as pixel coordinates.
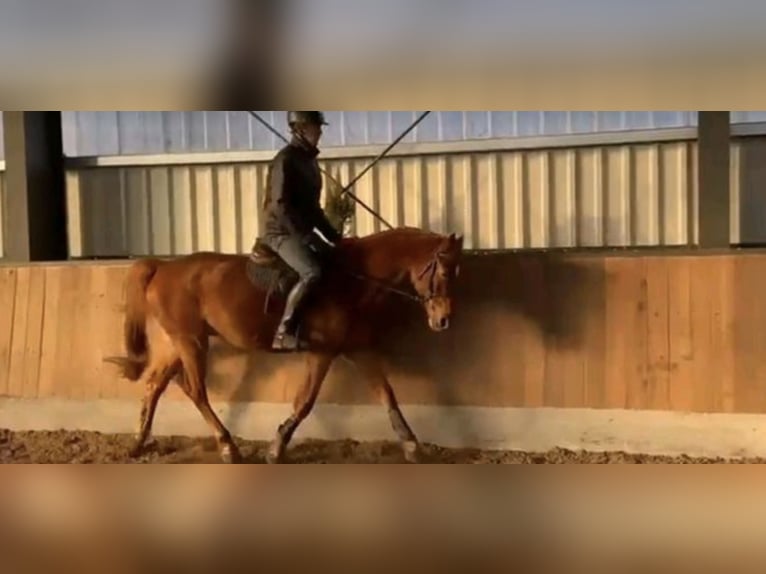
<point>293,212</point>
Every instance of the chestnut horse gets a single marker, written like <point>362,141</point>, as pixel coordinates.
<point>174,306</point>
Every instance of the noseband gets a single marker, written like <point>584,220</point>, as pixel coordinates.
<point>430,269</point>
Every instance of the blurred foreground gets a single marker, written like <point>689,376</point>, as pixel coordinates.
<point>210,518</point>
<point>231,54</point>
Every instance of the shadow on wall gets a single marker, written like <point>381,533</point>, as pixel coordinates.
<point>512,309</point>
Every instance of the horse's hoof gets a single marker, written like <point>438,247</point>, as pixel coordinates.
<point>411,451</point>
<point>275,454</point>
<point>230,454</point>
<point>136,452</point>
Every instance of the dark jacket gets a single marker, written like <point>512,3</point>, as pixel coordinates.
<point>292,202</point>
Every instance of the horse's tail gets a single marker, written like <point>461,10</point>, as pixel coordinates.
<point>139,276</point>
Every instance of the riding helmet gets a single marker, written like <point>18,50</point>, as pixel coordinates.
<point>306,118</point>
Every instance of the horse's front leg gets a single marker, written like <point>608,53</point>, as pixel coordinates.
<point>317,366</point>
<point>372,368</point>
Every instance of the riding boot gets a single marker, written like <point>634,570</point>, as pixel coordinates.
<point>286,338</point>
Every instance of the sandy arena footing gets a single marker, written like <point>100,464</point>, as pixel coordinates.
<point>94,448</point>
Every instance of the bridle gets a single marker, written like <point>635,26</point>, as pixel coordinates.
<point>429,268</point>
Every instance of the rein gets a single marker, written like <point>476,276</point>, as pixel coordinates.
<point>390,288</point>
<point>430,267</point>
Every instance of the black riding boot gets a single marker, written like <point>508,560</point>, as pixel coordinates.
<point>286,338</point>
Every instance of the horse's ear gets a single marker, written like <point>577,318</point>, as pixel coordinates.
<point>450,243</point>
<point>456,241</point>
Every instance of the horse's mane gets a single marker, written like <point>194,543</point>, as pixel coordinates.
<point>395,233</point>
<point>400,238</point>
<point>399,242</point>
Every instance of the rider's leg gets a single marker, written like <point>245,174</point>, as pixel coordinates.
<point>298,256</point>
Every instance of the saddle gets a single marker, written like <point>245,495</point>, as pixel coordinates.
<point>267,271</point>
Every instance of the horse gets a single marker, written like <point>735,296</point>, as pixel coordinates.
<point>173,307</point>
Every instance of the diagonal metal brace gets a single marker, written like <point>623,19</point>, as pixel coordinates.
<point>329,176</point>
<point>345,189</point>
<point>384,153</point>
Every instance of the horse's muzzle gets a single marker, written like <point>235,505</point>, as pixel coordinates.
<point>440,324</point>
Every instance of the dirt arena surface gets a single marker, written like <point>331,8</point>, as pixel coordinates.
<point>92,448</point>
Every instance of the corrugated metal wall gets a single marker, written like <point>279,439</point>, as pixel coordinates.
<point>623,195</point>
<point>627,195</point>
<point>92,133</point>
<point>98,133</point>
<point>126,133</point>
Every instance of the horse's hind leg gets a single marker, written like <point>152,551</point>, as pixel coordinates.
<point>157,377</point>
<point>317,366</point>
<point>194,357</point>
<point>370,366</point>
